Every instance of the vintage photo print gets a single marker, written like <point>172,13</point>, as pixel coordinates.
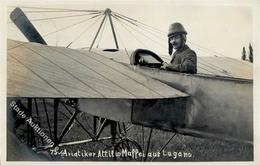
<point>130,81</point>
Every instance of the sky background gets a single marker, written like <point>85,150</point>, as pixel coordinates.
<point>212,28</point>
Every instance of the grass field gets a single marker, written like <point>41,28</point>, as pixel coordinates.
<point>198,149</point>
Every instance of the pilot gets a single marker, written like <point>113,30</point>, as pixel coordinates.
<point>183,59</point>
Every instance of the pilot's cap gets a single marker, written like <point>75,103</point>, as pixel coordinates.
<point>176,28</point>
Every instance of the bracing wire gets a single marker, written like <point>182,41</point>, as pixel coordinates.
<point>129,19</point>
<point>206,70</point>
<point>218,68</point>
<point>158,43</point>
<point>143,28</point>
<point>210,68</point>
<point>137,39</point>
<point>60,17</point>
<point>152,33</point>
<point>136,21</point>
<point>56,31</point>
<point>207,49</point>
<point>87,28</point>
<point>214,67</point>
<point>122,20</point>
<point>154,29</point>
<point>125,19</point>
<point>199,62</point>
<point>213,52</point>
<point>160,31</point>
<point>56,9</point>
<point>53,11</point>
<point>164,57</point>
<point>66,27</point>
<point>119,36</point>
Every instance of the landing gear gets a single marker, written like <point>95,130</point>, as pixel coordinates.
<point>127,150</point>
<point>57,118</point>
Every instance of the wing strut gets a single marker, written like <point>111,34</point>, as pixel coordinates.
<point>107,13</point>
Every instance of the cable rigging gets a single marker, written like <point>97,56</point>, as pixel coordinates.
<point>138,40</point>
<point>87,28</point>
<point>158,43</point>
<point>56,9</point>
<point>60,17</point>
<point>118,18</point>
<point>123,43</point>
<point>56,31</point>
<point>124,21</point>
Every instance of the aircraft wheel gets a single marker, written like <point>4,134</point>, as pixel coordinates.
<point>127,150</point>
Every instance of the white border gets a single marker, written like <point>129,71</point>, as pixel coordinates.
<point>254,4</point>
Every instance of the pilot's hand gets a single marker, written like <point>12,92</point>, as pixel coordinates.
<point>164,66</point>
<point>141,61</point>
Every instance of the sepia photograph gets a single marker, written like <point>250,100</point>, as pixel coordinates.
<point>130,81</point>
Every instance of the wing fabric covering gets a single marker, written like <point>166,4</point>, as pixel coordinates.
<point>36,70</point>
<point>206,65</point>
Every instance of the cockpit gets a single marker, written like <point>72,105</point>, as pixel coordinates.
<point>144,57</point>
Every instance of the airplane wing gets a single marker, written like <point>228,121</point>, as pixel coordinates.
<point>209,65</point>
<point>104,87</point>
<point>36,70</point>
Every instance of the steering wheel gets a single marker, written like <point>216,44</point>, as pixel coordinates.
<point>144,57</point>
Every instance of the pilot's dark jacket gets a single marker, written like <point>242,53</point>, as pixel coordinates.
<point>183,60</point>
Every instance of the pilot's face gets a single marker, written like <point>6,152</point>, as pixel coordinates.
<point>177,41</point>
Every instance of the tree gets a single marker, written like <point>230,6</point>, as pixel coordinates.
<point>243,54</point>
<point>250,53</point>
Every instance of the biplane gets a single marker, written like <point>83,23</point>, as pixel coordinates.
<point>115,89</point>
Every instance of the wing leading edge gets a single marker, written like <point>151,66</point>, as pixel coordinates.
<point>36,70</point>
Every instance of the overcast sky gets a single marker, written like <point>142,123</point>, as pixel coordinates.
<point>212,27</point>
